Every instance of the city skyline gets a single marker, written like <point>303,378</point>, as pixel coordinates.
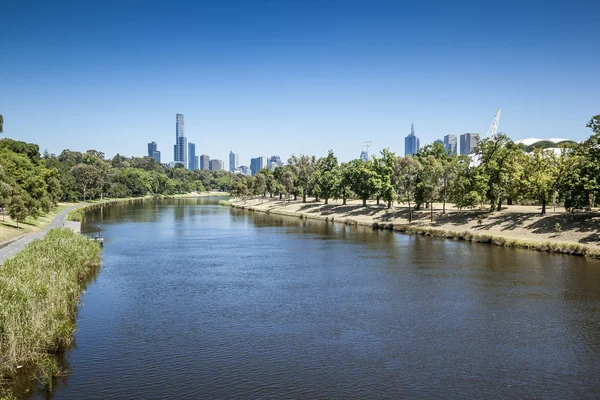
<point>293,77</point>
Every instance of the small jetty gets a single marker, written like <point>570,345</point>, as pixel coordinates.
<point>98,239</point>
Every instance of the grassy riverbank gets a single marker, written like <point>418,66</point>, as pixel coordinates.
<point>9,229</point>
<point>518,226</point>
<point>40,289</point>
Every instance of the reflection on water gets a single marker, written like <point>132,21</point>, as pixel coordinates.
<point>195,300</point>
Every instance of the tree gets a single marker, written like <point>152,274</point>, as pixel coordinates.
<point>87,178</point>
<point>288,181</point>
<point>407,172</point>
<point>1,123</point>
<point>328,175</point>
<point>260,185</point>
<point>5,190</point>
<point>497,158</point>
<point>431,178</point>
<point>304,168</point>
<point>539,180</point>
<point>385,168</point>
<point>17,209</point>
<point>363,179</point>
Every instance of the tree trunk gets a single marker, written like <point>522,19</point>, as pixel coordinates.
<point>364,202</point>
<point>500,205</point>
<point>326,200</point>
<point>431,204</point>
<point>280,196</point>
<point>344,200</point>
<point>409,212</point>
<point>389,205</point>
<point>509,201</point>
<point>304,196</point>
<point>295,196</point>
<point>543,206</point>
<point>377,200</point>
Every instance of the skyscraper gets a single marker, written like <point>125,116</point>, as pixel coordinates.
<point>468,142</point>
<point>450,144</point>
<point>216,165</point>
<point>234,161</point>
<point>411,142</point>
<point>258,163</point>
<point>192,164</point>
<point>153,151</point>
<point>204,162</point>
<point>180,149</point>
<point>440,141</point>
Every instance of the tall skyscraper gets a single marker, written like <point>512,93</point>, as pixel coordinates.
<point>153,151</point>
<point>450,144</point>
<point>411,142</point>
<point>192,164</point>
<point>204,162</point>
<point>180,149</point>
<point>440,141</point>
<point>468,142</point>
<point>216,165</point>
<point>258,163</point>
<point>234,161</point>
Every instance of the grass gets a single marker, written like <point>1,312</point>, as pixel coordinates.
<point>8,227</point>
<point>40,289</point>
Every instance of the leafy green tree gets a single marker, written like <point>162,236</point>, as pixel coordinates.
<point>539,177</point>
<point>17,209</point>
<point>260,185</point>
<point>363,179</point>
<point>304,168</point>
<point>468,187</point>
<point>408,170</point>
<point>328,175</point>
<point>87,179</point>
<point>430,184</point>
<point>288,182</point>
<point>386,168</point>
<point>497,157</point>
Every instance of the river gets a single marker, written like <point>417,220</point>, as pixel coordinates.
<point>195,300</point>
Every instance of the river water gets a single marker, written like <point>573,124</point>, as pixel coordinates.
<point>194,300</point>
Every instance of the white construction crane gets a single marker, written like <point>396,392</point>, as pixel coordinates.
<point>494,127</point>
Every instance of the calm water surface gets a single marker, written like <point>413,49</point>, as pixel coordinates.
<point>195,300</point>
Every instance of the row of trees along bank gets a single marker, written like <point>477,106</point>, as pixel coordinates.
<point>498,171</point>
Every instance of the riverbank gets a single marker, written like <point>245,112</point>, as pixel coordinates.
<point>518,226</point>
<point>196,194</point>
<point>78,214</point>
<point>10,231</point>
<point>40,288</point>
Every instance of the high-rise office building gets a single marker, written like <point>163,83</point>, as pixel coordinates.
<point>180,149</point>
<point>440,141</point>
<point>153,151</point>
<point>468,142</point>
<point>216,165</point>
<point>258,163</point>
<point>276,160</point>
<point>450,144</point>
<point>245,170</point>
<point>192,159</point>
<point>411,142</point>
<point>234,161</point>
<point>204,162</point>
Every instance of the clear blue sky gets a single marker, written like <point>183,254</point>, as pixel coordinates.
<point>283,77</point>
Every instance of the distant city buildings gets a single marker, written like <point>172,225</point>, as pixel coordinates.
<point>234,161</point>
<point>153,151</point>
<point>276,160</point>
<point>450,144</point>
<point>468,142</point>
<point>256,164</point>
<point>204,162</point>
<point>180,149</point>
<point>192,158</point>
<point>244,170</point>
<point>216,165</point>
<point>411,142</point>
<point>440,141</point>
<point>364,156</point>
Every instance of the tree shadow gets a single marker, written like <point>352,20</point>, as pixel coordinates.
<point>578,222</point>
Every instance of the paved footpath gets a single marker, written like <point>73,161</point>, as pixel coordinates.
<point>19,244</point>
